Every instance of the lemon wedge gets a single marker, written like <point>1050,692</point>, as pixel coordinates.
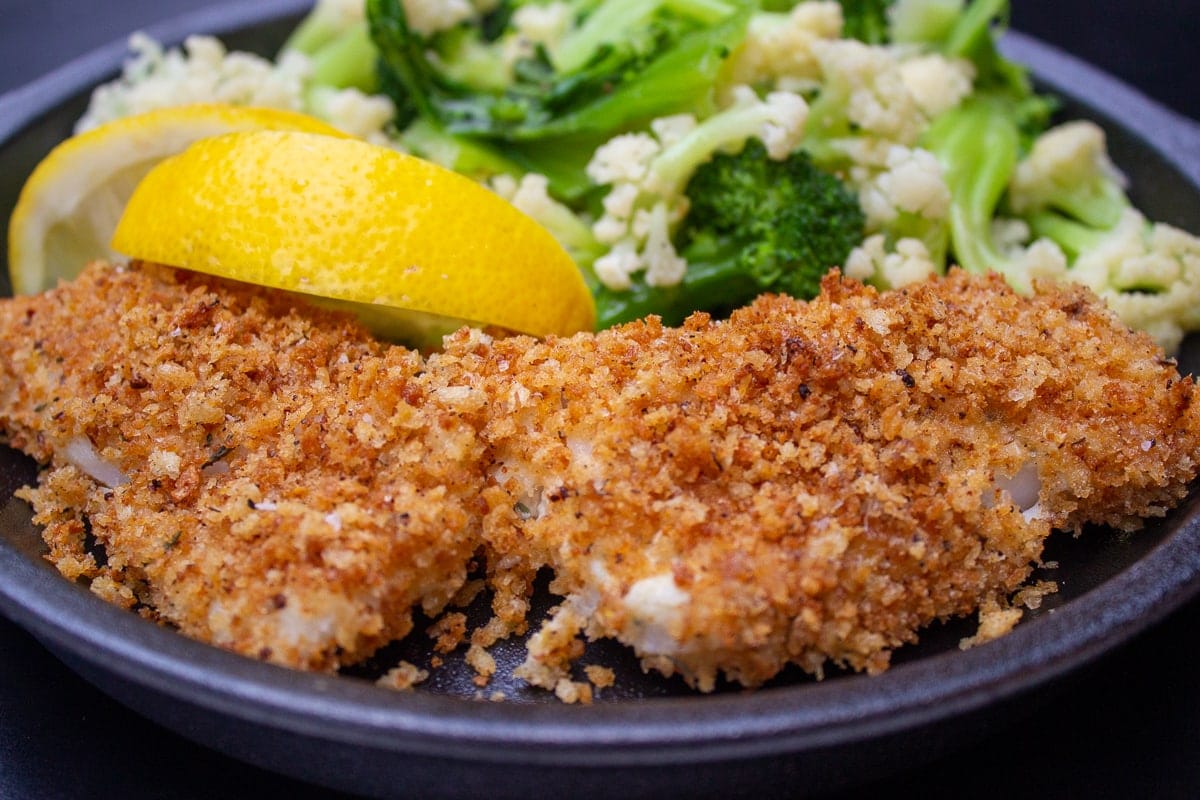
<point>69,207</point>
<point>405,242</point>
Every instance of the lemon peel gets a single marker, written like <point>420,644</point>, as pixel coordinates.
<point>401,239</point>
<point>69,206</point>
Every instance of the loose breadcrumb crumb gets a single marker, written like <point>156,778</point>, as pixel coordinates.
<point>1032,596</point>
<point>600,676</point>
<point>995,619</point>
<point>403,677</point>
<point>448,631</point>
<point>570,691</point>
<point>482,662</point>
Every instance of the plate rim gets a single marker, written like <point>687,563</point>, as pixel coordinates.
<point>689,729</point>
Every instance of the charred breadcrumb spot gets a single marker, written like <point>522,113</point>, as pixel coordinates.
<point>217,455</point>
<point>1075,308</point>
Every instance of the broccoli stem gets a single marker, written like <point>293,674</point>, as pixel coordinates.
<point>923,21</point>
<point>732,127</point>
<point>314,31</point>
<point>472,158</point>
<point>678,78</point>
<point>705,11</point>
<point>972,34</point>
<point>1072,236</point>
<point>1098,204</point>
<point>346,61</point>
<point>978,146</point>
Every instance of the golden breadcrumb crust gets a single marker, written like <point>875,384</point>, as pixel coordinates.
<point>803,483</point>
<point>817,481</point>
<point>291,488</point>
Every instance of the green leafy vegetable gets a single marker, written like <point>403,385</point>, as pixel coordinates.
<point>662,58</point>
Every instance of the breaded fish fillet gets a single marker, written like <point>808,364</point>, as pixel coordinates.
<point>799,484</point>
<point>261,475</point>
<point>813,482</point>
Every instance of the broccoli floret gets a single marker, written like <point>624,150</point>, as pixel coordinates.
<point>786,223</point>
<point>648,174</point>
<point>756,224</point>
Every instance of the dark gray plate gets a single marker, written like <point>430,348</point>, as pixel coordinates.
<point>647,735</point>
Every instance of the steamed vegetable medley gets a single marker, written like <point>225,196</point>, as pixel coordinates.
<point>691,154</point>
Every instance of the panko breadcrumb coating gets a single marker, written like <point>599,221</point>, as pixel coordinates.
<point>277,483</point>
<point>815,482</point>
<point>804,483</point>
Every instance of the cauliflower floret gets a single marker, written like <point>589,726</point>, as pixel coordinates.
<point>670,130</point>
<point>909,263</point>
<point>201,72</point>
<point>1149,274</point>
<point>778,47</point>
<point>542,24</point>
<point>1070,155</point>
<point>937,83</point>
<point>869,78</point>
<point>427,17</point>
<point>663,265</point>
<point>616,267</point>
<point>531,196</point>
<point>624,158</point>
<point>358,114</point>
<point>911,183</point>
<point>1041,259</point>
<point>534,25</point>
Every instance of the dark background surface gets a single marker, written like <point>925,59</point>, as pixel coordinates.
<point>1128,725</point>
